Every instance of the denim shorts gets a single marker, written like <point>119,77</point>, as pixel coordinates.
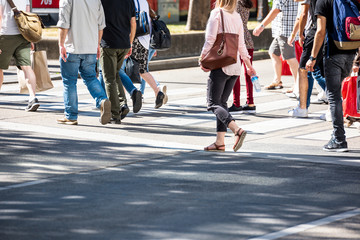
<point>279,46</point>
<point>14,46</point>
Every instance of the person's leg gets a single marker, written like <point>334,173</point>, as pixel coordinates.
<point>249,85</point>
<point>1,78</point>
<point>236,93</point>
<point>303,87</point>
<point>121,53</point>
<point>30,79</point>
<point>337,67</point>
<point>108,62</point>
<point>288,53</point>
<point>88,74</point>
<point>126,81</point>
<point>69,73</point>
<point>274,52</point>
<point>143,82</point>
<point>310,88</point>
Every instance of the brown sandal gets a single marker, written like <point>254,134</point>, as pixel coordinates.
<point>239,139</point>
<point>274,85</point>
<point>215,148</point>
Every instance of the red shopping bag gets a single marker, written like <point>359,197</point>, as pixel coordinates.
<point>285,71</point>
<point>349,94</point>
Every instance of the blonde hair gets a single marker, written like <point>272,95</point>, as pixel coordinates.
<point>227,5</point>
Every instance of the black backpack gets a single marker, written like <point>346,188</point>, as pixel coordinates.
<point>160,36</point>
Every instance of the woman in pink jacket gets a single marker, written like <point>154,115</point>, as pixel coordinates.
<point>221,81</point>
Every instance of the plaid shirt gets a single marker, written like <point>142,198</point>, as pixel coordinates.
<point>284,22</point>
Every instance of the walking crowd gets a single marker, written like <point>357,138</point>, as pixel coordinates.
<point>103,34</point>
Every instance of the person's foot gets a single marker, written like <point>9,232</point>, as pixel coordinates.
<point>159,99</point>
<point>274,85</point>
<point>164,89</point>
<point>215,148</point>
<point>298,112</point>
<point>249,109</point>
<point>239,139</point>
<point>66,121</point>
<point>326,116</point>
<point>105,111</point>
<point>124,111</point>
<point>115,121</point>
<point>136,98</point>
<point>33,105</point>
<point>333,146</point>
<point>234,108</point>
<point>292,95</point>
<point>319,101</point>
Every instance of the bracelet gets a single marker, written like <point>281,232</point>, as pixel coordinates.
<point>262,25</point>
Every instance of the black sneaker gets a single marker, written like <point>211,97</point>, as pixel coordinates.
<point>248,109</point>
<point>333,146</point>
<point>33,105</point>
<point>234,108</point>
<point>136,98</point>
<point>124,111</point>
<point>159,99</point>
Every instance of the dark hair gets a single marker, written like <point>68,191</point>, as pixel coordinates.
<point>246,3</point>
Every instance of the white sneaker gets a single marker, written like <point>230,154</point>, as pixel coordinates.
<point>326,116</point>
<point>292,95</point>
<point>298,112</point>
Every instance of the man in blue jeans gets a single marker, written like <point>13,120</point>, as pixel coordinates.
<point>81,25</point>
<point>338,64</point>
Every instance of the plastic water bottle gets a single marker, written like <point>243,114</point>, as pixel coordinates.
<point>256,83</point>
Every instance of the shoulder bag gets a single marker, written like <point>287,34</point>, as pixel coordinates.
<point>224,52</point>
<point>142,22</point>
<point>29,24</point>
<point>160,35</point>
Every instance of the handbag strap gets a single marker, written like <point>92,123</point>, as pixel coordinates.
<point>221,48</point>
<point>13,7</point>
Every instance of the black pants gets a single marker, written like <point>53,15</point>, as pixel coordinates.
<point>219,89</point>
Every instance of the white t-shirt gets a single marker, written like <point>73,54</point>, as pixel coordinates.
<point>144,6</point>
<point>8,26</point>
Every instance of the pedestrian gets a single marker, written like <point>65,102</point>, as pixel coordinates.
<point>140,53</point>
<point>81,25</point>
<point>13,44</point>
<point>221,81</point>
<point>307,30</point>
<point>243,8</point>
<point>337,66</point>
<point>282,18</point>
<point>115,46</point>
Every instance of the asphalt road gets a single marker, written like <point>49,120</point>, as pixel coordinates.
<point>148,178</point>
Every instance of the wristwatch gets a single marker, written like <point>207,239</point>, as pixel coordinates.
<point>312,58</point>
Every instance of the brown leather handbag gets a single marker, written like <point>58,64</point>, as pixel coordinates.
<point>224,52</point>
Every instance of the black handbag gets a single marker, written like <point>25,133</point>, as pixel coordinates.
<point>160,35</point>
<point>142,22</point>
<point>132,70</point>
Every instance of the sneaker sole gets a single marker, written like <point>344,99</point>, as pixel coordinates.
<point>166,96</point>
<point>249,111</point>
<point>68,123</point>
<point>33,108</point>
<point>336,150</point>
<point>138,102</point>
<point>105,109</point>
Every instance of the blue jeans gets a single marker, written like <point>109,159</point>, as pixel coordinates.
<point>85,64</point>
<point>127,83</point>
<point>316,74</point>
<point>337,67</point>
<point>143,82</point>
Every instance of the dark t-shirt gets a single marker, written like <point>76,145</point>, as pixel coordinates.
<point>118,14</point>
<point>325,8</point>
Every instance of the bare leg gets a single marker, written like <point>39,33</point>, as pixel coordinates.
<point>30,79</point>
<point>1,77</point>
<point>151,81</point>
<point>220,138</point>
<point>294,66</point>
<point>303,87</point>
<point>277,65</point>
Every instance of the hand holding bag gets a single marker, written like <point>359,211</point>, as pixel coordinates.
<point>40,67</point>
<point>224,52</point>
<point>29,24</point>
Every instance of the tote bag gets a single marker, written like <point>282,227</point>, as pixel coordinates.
<point>40,67</point>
